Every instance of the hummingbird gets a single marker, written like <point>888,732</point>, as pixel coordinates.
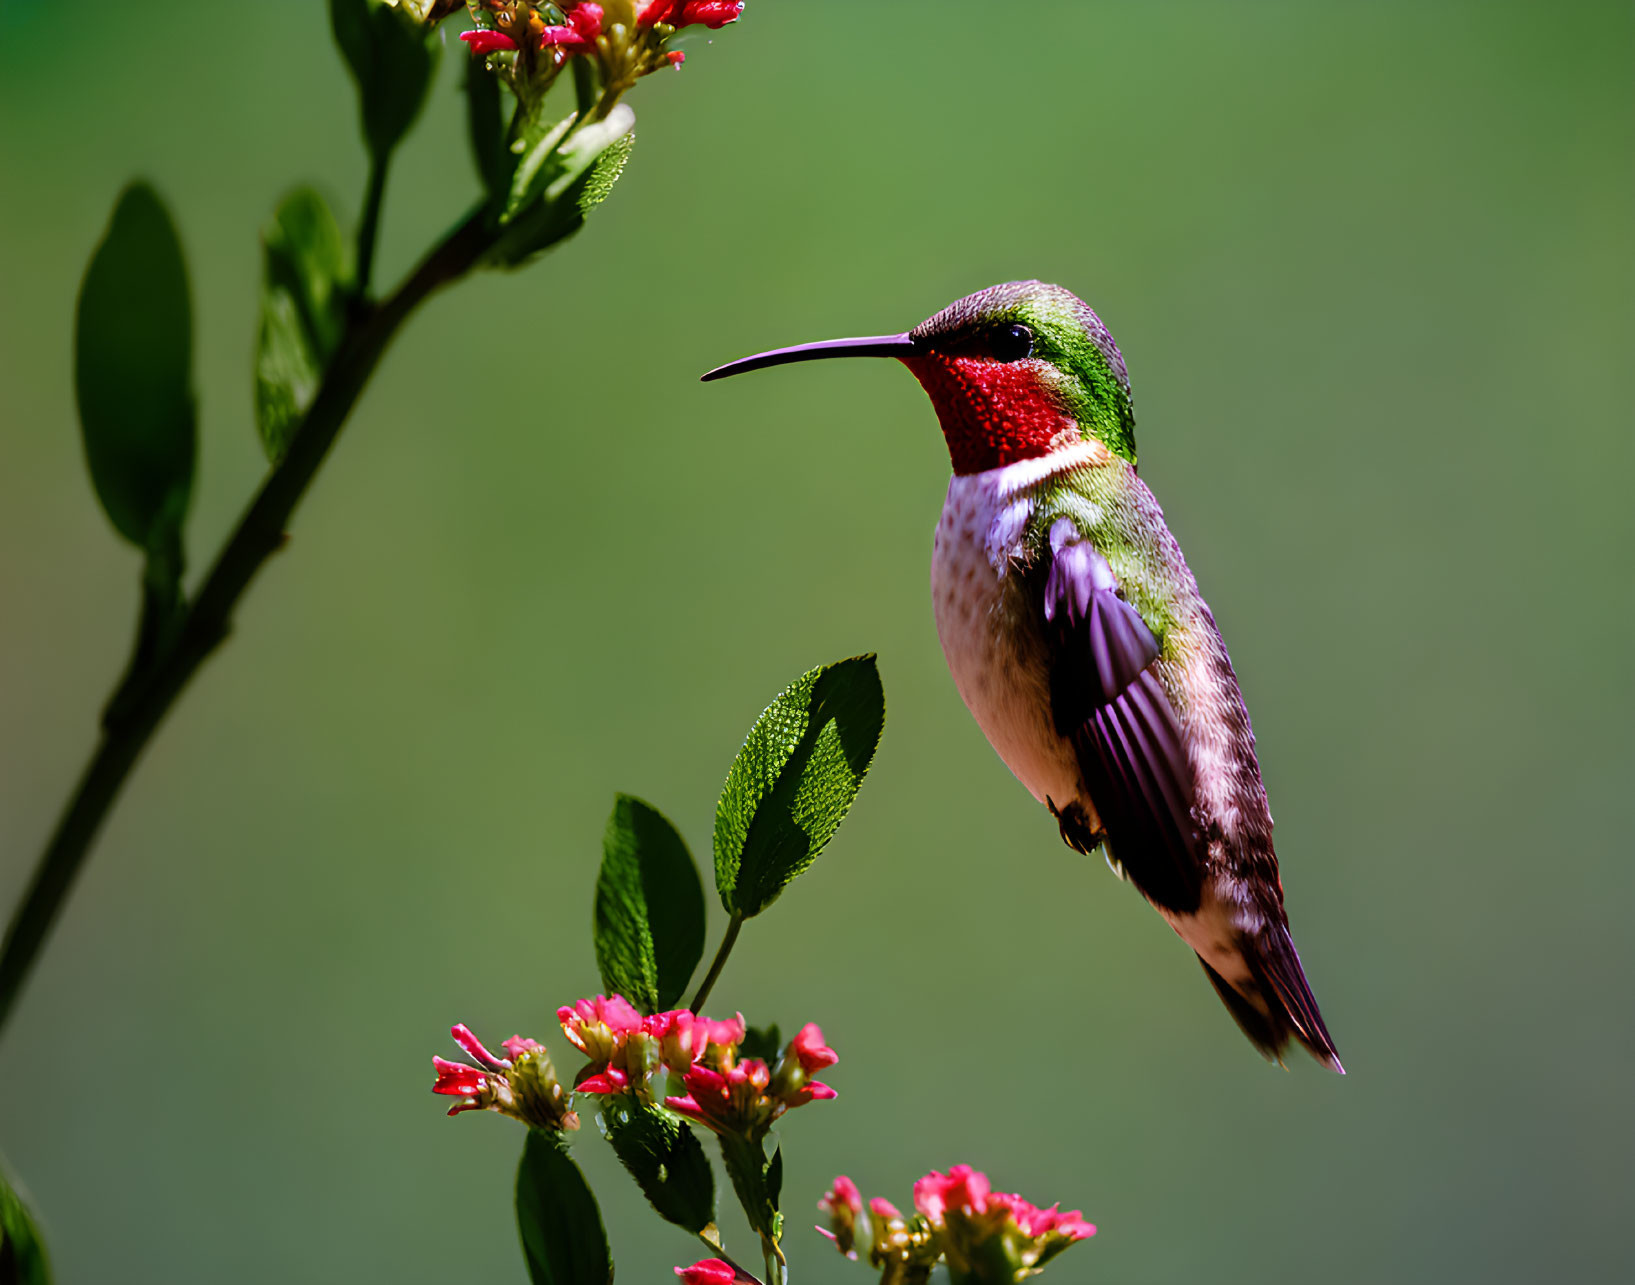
<point>1078,639</point>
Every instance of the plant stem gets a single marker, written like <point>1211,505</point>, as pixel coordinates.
<point>259,534</point>
<point>716,965</point>
<point>369,224</point>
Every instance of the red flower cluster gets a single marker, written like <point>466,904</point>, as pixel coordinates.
<point>713,14</point>
<point>958,1217</point>
<point>522,1084</point>
<point>739,1097</point>
<point>624,1047</point>
<point>962,1197</point>
<point>747,1097</point>
<point>586,20</point>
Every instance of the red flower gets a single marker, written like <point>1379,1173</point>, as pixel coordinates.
<point>484,41</point>
<point>707,1271</point>
<point>459,1080</point>
<point>962,1187</point>
<point>746,1097</point>
<point>843,1203</point>
<point>610,1081</point>
<point>522,1085</point>
<point>812,1052</point>
<point>675,1032</point>
<point>714,14</point>
<point>792,1082</point>
<point>584,25</point>
<point>733,1101</point>
<point>598,1027</point>
<point>725,1035</point>
<point>843,1195</point>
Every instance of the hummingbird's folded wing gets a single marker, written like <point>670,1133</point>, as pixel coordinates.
<point>1108,703</point>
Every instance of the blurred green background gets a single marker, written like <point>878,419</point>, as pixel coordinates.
<point>1371,268</point>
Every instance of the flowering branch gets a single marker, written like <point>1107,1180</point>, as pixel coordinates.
<point>206,622</point>
<point>322,336</point>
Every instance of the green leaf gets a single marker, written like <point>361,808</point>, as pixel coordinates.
<point>774,1179</point>
<point>649,919</point>
<point>562,1237</point>
<point>307,272</point>
<point>794,781</point>
<point>559,179</point>
<point>756,1181</point>
<point>666,1160</point>
<point>485,126</point>
<point>762,1042</point>
<point>535,165</point>
<point>393,59</point>
<point>22,1251</point>
<point>133,353</point>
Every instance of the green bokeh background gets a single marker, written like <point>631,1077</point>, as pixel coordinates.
<point>1371,268</point>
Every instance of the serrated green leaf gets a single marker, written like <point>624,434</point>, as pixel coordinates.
<point>307,270</point>
<point>764,1042</point>
<point>393,59</point>
<point>794,781</point>
<point>556,183</point>
<point>563,1240</point>
<point>649,916</point>
<point>604,172</point>
<point>665,1158</point>
<point>22,1251</point>
<point>133,353</point>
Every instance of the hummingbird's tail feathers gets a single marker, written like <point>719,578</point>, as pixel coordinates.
<point>1275,961</point>
<point>1263,1032</point>
<point>1274,1004</point>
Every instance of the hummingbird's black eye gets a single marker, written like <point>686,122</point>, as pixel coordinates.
<point>1012,343</point>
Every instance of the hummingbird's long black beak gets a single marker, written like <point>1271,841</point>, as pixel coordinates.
<point>869,346</point>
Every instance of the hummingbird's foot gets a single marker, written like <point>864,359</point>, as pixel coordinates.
<point>1079,831</point>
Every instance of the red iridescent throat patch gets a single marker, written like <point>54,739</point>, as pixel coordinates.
<point>993,413</point>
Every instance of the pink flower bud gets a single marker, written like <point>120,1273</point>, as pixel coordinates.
<point>472,1045</point>
<point>458,1080</point>
<point>516,1046</point>
<point>843,1195</point>
<point>586,19</point>
<point>880,1207</point>
<point>809,1047</point>
<point>714,14</point>
<point>727,1034</point>
<point>843,1203</point>
<point>707,1271</point>
<point>564,38</point>
<point>962,1188</point>
<point>487,42</point>
<point>610,1081</point>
